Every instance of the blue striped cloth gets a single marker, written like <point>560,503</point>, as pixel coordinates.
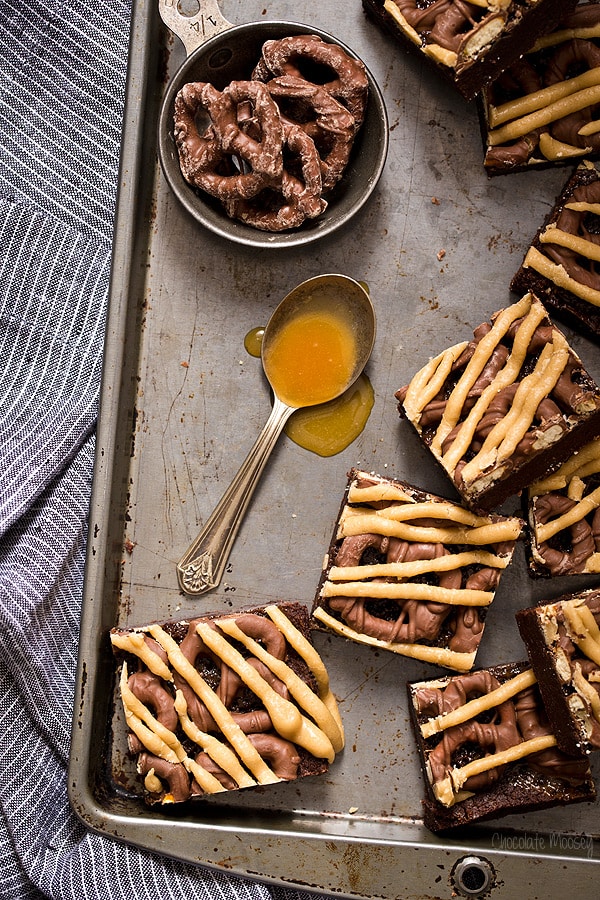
<point>62,82</point>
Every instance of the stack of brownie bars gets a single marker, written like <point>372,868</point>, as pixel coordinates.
<point>239,699</point>
<point>510,412</point>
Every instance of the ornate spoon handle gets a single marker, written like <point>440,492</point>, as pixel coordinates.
<point>201,567</point>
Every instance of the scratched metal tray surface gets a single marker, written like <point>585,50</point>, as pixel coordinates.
<point>182,403</point>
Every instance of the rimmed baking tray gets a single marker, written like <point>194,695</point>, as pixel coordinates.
<point>181,404</point>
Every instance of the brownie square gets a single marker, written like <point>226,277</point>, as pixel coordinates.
<point>469,44</point>
<point>541,111</point>
<point>226,701</point>
<point>561,266</point>
<point>563,643</point>
<point>411,572</point>
<point>563,537</point>
<point>487,749</point>
<point>502,410</point>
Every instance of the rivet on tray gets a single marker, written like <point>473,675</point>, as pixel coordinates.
<point>472,876</point>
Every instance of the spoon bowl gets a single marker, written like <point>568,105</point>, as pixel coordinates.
<point>335,306</point>
<point>318,340</point>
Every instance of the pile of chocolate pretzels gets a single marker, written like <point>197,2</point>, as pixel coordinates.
<point>270,148</point>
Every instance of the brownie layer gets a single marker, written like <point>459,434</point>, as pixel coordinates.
<point>487,749</point>
<point>226,701</point>
<point>542,111</point>
<point>564,522</point>
<point>469,44</point>
<point>502,410</point>
<point>563,643</point>
<point>413,573</point>
<point>561,266</point>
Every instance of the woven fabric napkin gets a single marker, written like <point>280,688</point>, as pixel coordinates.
<point>62,84</point>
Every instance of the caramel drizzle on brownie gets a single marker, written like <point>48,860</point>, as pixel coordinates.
<point>559,505</point>
<point>577,512</point>
<point>452,438</point>
<point>552,118</point>
<point>582,464</point>
<point>584,32</point>
<point>569,251</point>
<point>515,731</point>
<point>548,105</point>
<point>475,707</point>
<point>440,656</point>
<point>437,559</point>
<point>583,629</point>
<point>311,720</point>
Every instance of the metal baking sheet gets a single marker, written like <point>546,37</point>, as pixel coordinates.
<point>182,403</point>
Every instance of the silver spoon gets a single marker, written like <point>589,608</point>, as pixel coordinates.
<point>201,567</point>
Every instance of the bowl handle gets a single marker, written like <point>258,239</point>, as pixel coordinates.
<point>195,28</point>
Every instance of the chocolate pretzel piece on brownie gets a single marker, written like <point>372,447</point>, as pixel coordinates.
<point>487,749</point>
<point>468,43</point>
<point>413,573</point>
<point>563,643</point>
<point>226,701</point>
<point>562,266</point>
<point>505,408</point>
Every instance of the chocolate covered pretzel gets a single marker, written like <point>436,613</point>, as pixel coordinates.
<point>271,148</point>
<point>303,55</point>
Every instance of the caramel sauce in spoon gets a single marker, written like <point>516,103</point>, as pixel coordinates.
<point>327,428</point>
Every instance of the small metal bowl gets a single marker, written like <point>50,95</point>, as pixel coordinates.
<point>232,55</point>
